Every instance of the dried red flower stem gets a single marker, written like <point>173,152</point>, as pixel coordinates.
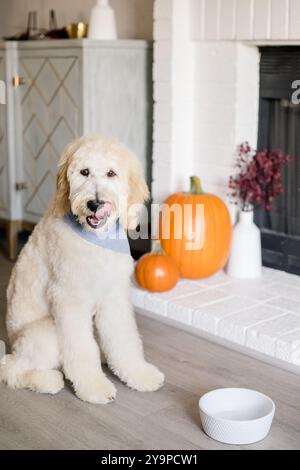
<point>258,179</point>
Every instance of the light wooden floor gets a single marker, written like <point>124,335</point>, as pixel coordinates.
<point>167,419</point>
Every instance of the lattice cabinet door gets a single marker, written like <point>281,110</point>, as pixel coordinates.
<point>49,98</point>
<point>3,149</point>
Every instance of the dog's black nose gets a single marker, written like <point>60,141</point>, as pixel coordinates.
<point>94,205</point>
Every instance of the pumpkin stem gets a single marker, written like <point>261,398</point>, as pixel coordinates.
<point>156,247</point>
<point>195,185</point>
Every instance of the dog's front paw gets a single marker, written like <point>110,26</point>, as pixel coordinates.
<point>145,378</point>
<point>97,390</point>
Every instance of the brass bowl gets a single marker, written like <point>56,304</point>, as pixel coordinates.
<point>77,30</point>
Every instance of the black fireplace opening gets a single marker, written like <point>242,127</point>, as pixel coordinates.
<point>279,128</point>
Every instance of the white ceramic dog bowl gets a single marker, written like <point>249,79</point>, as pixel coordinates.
<point>236,415</point>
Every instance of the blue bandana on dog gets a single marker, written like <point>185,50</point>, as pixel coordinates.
<point>114,239</point>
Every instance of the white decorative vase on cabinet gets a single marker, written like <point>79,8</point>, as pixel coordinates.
<point>102,23</point>
<point>245,261</point>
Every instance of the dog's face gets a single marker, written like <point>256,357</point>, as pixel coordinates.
<point>99,181</point>
<point>98,187</point>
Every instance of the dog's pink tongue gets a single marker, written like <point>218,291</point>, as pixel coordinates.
<point>105,211</point>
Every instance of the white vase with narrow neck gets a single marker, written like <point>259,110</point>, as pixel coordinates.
<point>245,261</point>
<point>102,23</point>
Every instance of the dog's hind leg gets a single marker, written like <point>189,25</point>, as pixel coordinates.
<point>35,359</point>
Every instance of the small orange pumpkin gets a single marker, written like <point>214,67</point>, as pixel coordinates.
<point>202,246</point>
<point>156,271</point>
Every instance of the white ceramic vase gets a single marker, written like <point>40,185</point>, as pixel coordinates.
<point>102,23</point>
<point>245,260</point>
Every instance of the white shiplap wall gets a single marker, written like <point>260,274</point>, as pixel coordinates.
<point>245,20</point>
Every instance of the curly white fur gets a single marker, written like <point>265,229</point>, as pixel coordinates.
<point>63,288</point>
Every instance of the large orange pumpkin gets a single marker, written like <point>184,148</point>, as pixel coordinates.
<point>156,271</point>
<point>195,229</point>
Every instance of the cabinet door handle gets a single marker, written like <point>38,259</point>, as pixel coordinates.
<point>18,81</point>
<point>21,186</point>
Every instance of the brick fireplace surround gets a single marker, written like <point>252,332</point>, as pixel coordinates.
<point>206,89</point>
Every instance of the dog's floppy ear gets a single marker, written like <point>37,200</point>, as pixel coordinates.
<point>61,202</point>
<point>138,192</point>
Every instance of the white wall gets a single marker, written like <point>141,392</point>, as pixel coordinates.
<point>174,75</point>
<point>134,17</point>
<point>226,108</point>
<point>206,84</point>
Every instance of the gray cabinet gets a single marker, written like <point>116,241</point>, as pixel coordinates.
<point>49,101</point>
<point>56,91</point>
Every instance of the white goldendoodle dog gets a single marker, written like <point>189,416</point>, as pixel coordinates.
<point>71,283</point>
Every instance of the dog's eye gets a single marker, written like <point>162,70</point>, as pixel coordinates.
<point>85,172</point>
<point>111,174</point>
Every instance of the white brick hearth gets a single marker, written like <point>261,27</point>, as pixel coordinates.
<point>258,316</point>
